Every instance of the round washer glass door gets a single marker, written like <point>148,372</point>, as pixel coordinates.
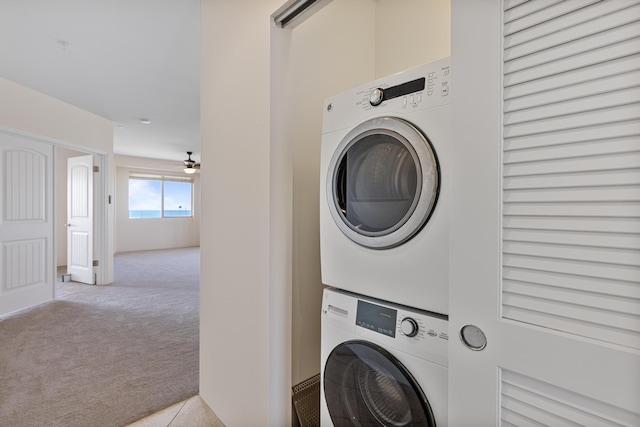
<point>365,385</point>
<point>383,182</point>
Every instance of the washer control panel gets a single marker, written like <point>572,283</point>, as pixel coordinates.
<point>413,331</point>
<point>377,318</point>
<point>397,321</point>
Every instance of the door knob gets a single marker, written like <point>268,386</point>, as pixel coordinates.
<point>68,224</point>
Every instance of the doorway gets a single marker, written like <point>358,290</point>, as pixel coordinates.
<point>62,153</point>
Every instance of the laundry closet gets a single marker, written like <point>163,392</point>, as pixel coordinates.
<point>595,44</point>
<point>345,44</point>
<point>351,42</point>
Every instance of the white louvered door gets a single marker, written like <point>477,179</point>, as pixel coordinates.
<point>545,226</point>
<point>26,222</point>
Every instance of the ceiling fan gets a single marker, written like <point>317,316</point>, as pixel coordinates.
<point>190,165</point>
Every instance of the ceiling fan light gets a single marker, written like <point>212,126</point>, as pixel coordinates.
<point>190,170</point>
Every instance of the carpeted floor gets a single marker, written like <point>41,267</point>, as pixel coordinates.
<point>105,355</point>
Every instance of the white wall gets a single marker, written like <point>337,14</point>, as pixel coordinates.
<point>321,62</point>
<point>410,33</point>
<point>235,246</point>
<point>151,233</point>
<point>30,111</point>
<point>36,114</point>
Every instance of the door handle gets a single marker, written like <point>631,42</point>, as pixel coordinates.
<point>473,337</point>
<point>68,225</point>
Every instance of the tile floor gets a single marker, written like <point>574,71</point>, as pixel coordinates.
<point>192,412</point>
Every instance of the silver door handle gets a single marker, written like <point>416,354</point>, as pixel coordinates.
<point>473,337</point>
<point>68,224</point>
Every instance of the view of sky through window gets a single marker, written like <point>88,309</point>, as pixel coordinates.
<point>177,198</point>
<point>146,198</point>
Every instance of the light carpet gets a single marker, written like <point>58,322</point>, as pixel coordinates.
<point>105,355</point>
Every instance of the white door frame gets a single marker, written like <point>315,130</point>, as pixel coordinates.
<point>101,198</point>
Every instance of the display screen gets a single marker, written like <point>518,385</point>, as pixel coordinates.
<point>377,318</point>
<point>404,89</point>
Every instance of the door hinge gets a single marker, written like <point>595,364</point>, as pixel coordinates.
<point>96,168</point>
<point>95,262</point>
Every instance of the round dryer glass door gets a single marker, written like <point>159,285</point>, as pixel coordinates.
<point>364,385</point>
<point>383,183</point>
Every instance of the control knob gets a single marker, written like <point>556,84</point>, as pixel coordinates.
<point>376,97</point>
<point>409,327</point>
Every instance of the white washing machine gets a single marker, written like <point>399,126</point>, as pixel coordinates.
<point>382,364</point>
<point>384,188</point>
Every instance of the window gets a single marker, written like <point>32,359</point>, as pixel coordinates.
<point>160,197</point>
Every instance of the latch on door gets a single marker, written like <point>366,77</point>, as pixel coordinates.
<point>473,337</point>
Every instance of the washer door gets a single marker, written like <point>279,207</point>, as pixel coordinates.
<point>383,182</point>
<point>364,385</point>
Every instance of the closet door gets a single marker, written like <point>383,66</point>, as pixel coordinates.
<point>26,222</point>
<point>545,213</point>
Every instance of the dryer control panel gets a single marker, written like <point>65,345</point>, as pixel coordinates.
<point>379,94</point>
<point>421,92</point>
<point>431,84</point>
<point>419,88</point>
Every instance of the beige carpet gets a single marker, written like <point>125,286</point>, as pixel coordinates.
<point>105,355</point>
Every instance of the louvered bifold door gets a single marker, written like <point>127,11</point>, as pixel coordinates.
<point>571,167</point>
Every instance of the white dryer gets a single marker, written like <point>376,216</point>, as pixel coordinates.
<point>382,364</point>
<point>384,188</point>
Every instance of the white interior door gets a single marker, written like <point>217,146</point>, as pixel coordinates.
<point>26,222</point>
<point>545,213</point>
<point>80,219</point>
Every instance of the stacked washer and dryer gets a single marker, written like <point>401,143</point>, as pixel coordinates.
<point>384,251</point>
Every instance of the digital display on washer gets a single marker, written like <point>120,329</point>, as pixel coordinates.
<point>377,318</point>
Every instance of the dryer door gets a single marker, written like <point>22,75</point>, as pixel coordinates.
<point>365,385</point>
<point>383,182</point>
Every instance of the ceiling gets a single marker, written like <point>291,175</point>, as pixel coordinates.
<point>124,60</point>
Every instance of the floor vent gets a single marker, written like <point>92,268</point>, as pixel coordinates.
<point>306,400</point>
